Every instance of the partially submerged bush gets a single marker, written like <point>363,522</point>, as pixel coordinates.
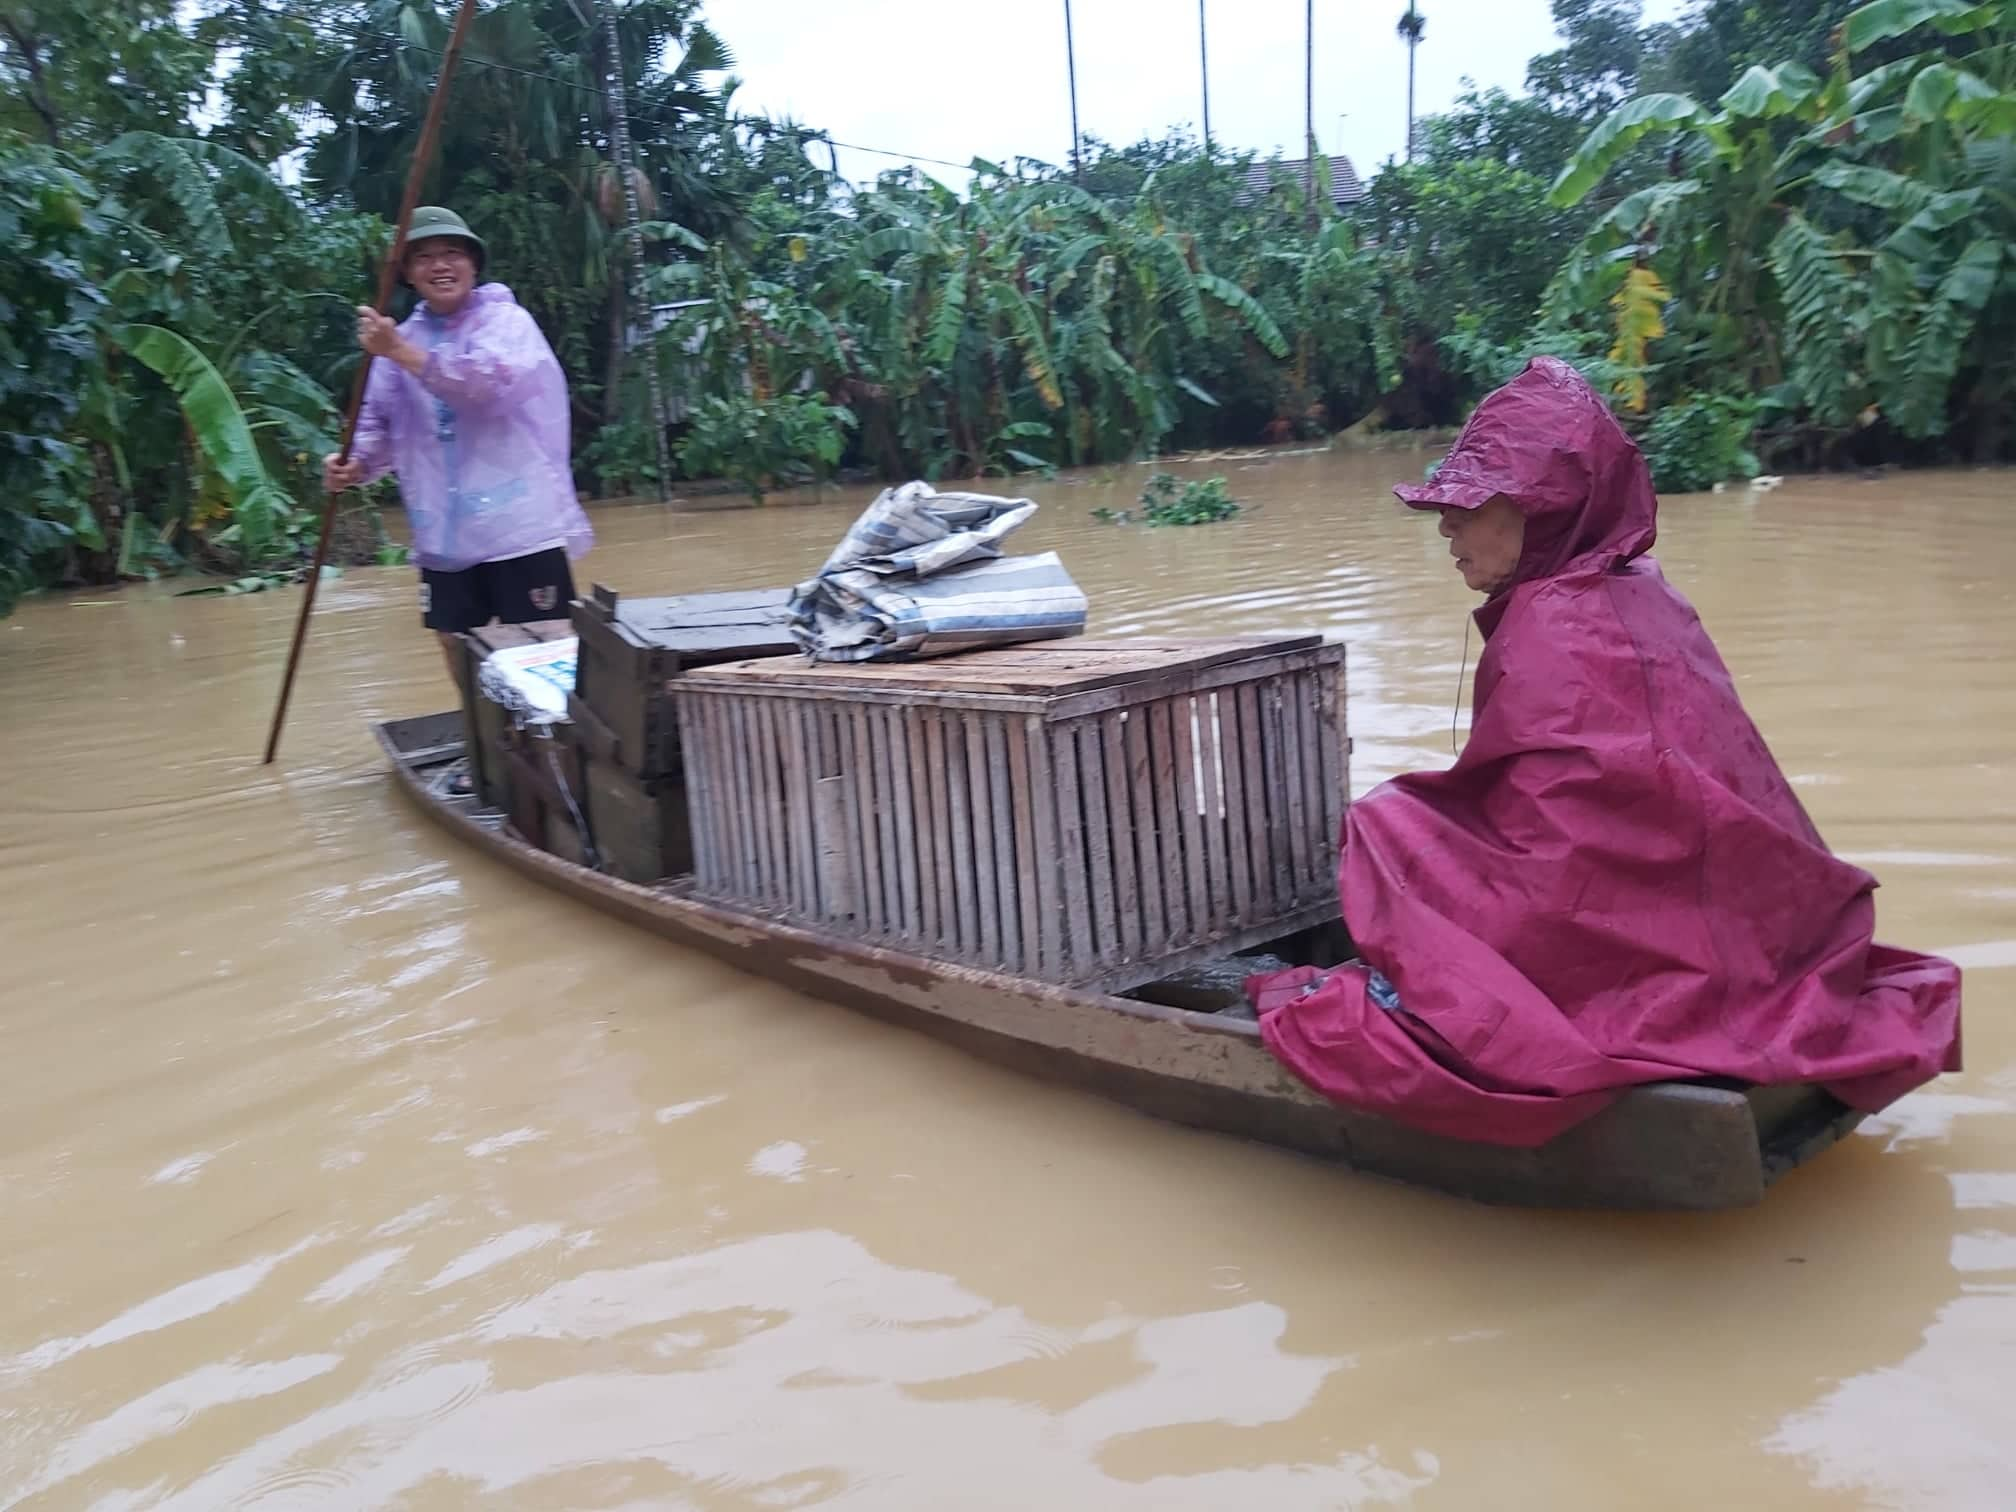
<point>1166,500</point>
<point>763,445</point>
<point>1701,441</point>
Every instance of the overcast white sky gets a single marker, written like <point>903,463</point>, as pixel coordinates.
<point>954,78</point>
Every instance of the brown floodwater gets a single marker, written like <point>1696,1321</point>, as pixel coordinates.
<point>340,1167</point>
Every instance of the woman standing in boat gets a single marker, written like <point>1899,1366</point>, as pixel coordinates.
<point>468,407</point>
<point>1614,884</point>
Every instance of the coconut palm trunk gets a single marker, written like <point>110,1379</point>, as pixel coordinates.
<point>633,285</point>
<point>1410,29</point>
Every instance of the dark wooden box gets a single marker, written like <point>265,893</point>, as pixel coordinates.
<point>640,824</point>
<point>547,791</point>
<point>632,648</point>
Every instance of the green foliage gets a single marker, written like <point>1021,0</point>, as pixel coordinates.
<point>1621,130</point>
<point>1472,238</point>
<point>1722,38</point>
<point>1809,202</point>
<point>259,506</point>
<point>1027,325</point>
<point>1168,500</point>
<point>1817,290</point>
<point>1701,441</point>
<point>1885,19</point>
<point>1486,364</point>
<point>1767,93</point>
<point>761,444</point>
<point>1521,132</point>
<point>1599,63</point>
<point>1847,246</point>
<point>621,457</point>
<point>53,310</point>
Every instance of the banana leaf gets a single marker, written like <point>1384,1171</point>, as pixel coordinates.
<point>259,505</point>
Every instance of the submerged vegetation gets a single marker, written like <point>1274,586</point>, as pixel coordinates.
<point>1776,235</point>
<point>1168,500</point>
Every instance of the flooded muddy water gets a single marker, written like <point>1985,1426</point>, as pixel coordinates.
<point>341,1168</point>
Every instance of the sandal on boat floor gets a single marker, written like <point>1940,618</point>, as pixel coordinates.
<point>455,781</point>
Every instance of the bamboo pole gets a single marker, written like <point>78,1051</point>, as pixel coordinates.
<point>387,278</point>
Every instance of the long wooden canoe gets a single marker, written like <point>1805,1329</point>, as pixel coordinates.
<point>1664,1146</point>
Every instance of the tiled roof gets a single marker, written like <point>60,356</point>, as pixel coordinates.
<point>1344,186</point>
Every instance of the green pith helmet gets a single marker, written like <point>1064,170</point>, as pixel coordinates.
<point>433,220</point>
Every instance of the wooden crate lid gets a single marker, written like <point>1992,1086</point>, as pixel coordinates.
<point>1040,672</point>
<point>741,623</point>
<point>668,617</point>
<point>488,638</point>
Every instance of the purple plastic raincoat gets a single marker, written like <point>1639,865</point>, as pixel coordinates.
<point>479,439</point>
<point>1614,883</point>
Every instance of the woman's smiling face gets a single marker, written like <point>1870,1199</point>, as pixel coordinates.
<point>441,271</point>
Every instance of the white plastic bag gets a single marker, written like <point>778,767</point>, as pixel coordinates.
<point>532,681</point>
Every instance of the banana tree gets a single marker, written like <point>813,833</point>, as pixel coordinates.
<point>257,507</point>
<point>1928,143</point>
<point>1025,325</point>
<point>1855,236</point>
<point>1743,162</point>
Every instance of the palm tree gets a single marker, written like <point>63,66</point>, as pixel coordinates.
<point>1412,25</point>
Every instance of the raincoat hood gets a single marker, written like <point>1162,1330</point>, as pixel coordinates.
<point>1549,443</point>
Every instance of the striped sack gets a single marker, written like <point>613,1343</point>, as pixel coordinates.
<point>921,574</point>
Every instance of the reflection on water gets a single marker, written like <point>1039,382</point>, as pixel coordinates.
<point>339,1168</point>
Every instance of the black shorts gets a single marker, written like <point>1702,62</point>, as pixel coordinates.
<point>534,587</point>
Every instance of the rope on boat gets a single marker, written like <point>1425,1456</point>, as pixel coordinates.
<point>588,850</point>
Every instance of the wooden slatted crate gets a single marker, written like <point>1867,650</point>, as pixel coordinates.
<point>1085,812</point>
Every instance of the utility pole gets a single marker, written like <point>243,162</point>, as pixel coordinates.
<point>1309,106</point>
<point>1071,63</point>
<point>619,141</point>
<point>1204,65</point>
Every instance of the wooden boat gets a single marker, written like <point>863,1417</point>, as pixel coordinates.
<point>1158,1049</point>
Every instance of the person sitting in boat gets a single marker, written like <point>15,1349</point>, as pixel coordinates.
<point>468,407</point>
<point>1614,883</point>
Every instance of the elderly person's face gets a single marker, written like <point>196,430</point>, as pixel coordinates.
<point>1486,542</point>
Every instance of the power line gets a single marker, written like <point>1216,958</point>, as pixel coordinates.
<point>885,152</point>
<point>659,116</point>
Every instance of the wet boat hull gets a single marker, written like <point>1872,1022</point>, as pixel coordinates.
<point>1667,1146</point>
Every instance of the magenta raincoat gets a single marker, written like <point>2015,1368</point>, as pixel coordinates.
<point>1614,883</point>
<point>479,439</point>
